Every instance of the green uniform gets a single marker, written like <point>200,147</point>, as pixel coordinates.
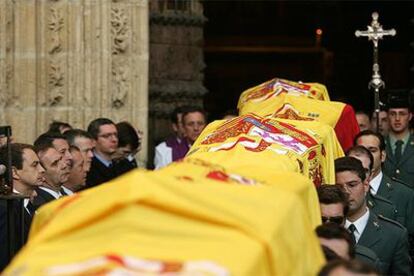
<point>403,199</point>
<point>404,169</point>
<point>381,206</point>
<point>367,256</point>
<point>389,240</point>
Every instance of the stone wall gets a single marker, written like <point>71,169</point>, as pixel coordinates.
<point>73,61</point>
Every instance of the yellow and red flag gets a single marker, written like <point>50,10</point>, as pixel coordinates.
<point>161,223</point>
<point>253,171</point>
<point>271,138</point>
<point>339,116</point>
<point>276,87</point>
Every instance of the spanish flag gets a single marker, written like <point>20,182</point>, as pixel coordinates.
<point>276,87</point>
<point>272,138</point>
<point>252,171</point>
<point>338,115</point>
<point>151,223</point>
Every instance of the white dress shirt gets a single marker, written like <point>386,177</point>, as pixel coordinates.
<point>360,225</point>
<point>375,183</point>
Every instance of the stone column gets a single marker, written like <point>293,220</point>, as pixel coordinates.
<point>176,62</point>
<point>73,61</point>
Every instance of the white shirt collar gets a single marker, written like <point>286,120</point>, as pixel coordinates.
<point>25,200</point>
<point>360,225</point>
<point>375,183</point>
<point>52,192</point>
<point>67,191</point>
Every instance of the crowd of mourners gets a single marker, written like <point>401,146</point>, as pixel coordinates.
<point>367,215</point>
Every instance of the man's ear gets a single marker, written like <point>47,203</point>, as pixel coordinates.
<point>175,127</point>
<point>383,156</point>
<point>15,174</point>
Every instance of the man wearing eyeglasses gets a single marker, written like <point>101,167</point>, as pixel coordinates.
<point>387,238</point>
<point>399,193</point>
<point>376,203</point>
<point>105,135</point>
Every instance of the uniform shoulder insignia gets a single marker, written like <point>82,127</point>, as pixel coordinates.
<point>381,217</point>
<point>401,182</point>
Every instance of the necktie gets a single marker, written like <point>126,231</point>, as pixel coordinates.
<point>398,150</point>
<point>351,230</point>
<point>62,192</point>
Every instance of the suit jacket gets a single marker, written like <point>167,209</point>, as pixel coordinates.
<point>99,173</point>
<point>403,199</point>
<point>42,197</point>
<point>21,238</point>
<point>389,240</point>
<point>404,169</point>
<point>381,206</point>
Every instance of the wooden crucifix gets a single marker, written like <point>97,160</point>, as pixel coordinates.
<point>376,33</point>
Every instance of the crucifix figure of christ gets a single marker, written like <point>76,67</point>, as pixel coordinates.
<point>375,33</point>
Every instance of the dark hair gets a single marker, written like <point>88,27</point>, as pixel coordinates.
<point>55,126</point>
<point>350,164</point>
<point>230,112</point>
<point>361,150</point>
<point>127,135</point>
<point>354,266</point>
<point>94,126</point>
<point>334,231</point>
<point>191,109</point>
<point>73,148</point>
<point>72,134</point>
<point>329,254</point>
<point>363,112</point>
<point>332,194</point>
<point>373,133</point>
<point>16,155</point>
<point>45,141</point>
<point>174,114</point>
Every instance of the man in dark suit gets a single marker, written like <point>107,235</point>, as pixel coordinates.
<point>387,238</point>
<point>375,202</point>
<point>53,151</point>
<point>27,173</point>
<point>105,134</point>
<point>399,162</point>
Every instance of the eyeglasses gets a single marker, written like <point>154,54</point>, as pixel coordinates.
<point>338,219</point>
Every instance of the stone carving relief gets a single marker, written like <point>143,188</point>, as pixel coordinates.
<point>119,31</point>
<point>56,82</point>
<point>120,35</point>
<point>55,24</point>
<point>120,75</point>
<point>56,65</point>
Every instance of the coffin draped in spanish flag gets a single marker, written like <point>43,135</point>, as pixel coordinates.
<point>274,101</point>
<point>155,223</point>
<point>283,144</point>
<point>276,87</point>
<point>248,172</point>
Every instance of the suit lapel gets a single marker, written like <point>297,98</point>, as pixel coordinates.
<point>388,148</point>
<point>386,187</point>
<point>409,151</point>
<point>371,234</point>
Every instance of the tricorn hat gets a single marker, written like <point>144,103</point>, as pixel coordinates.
<point>399,98</point>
